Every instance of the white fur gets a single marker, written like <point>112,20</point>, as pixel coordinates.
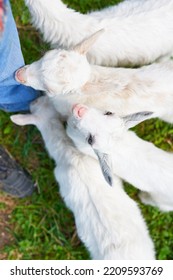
<point>138,32</point>
<point>108,221</point>
<point>68,78</point>
<point>136,161</point>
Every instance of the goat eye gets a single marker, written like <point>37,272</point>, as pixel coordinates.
<point>90,139</point>
<point>108,113</point>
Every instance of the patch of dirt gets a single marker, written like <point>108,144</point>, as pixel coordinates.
<point>7,205</point>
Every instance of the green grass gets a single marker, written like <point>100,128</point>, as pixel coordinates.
<point>43,228</point>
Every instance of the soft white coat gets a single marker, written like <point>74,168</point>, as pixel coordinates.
<point>68,78</point>
<point>138,32</point>
<point>123,153</point>
<point>108,222</point>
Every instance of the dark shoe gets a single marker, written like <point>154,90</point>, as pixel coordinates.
<point>14,180</point>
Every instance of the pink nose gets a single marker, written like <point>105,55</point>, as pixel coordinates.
<point>20,75</point>
<point>79,110</point>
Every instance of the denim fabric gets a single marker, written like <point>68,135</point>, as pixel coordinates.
<point>2,15</point>
<point>13,96</point>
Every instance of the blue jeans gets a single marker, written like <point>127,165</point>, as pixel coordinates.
<point>13,96</point>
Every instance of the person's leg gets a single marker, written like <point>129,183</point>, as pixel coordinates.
<point>13,96</point>
<point>14,180</point>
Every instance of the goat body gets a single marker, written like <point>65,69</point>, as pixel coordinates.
<point>138,32</point>
<point>68,78</point>
<point>147,168</point>
<point>125,91</point>
<point>108,221</point>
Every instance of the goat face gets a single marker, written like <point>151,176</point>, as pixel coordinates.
<point>94,127</point>
<point>101,130</point>
<point>98,127</point>
<point>58,71</point>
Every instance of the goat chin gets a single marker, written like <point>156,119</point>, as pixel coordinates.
<point>107,228</point>
<point>131,37</point>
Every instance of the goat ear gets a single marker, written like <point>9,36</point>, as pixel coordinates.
<point>134,119</point>
<point>84,46</point>
<point>105,166</point>
<point>22,119</point>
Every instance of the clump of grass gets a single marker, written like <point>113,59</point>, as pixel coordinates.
<point>85,6</point>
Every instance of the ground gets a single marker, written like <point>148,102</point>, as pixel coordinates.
<point>41,227</point>
<point>7,205</point>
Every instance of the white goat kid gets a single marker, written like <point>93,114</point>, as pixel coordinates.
<point>68,78</point>
<point>136,161</point>
<point>108,221</point>
<point>138,32</point>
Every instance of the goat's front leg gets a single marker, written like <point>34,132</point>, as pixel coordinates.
<point>58,23</point>
<point>48,121</point>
